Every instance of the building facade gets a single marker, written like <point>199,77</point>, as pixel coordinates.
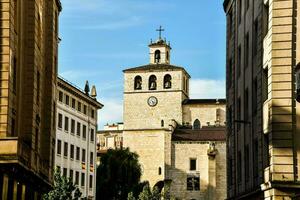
<point>76,136</point>
<point>29,42</point>
<point>262,111</point>
<point>166,128</point>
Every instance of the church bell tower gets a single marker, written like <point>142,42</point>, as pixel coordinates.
<point>153,96</point>
<point>160,50</point>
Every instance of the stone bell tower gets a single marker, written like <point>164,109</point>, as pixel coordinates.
<point>160,50</point>
<point>153,96</point>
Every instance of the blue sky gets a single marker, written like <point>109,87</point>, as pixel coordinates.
<point>100,38</point>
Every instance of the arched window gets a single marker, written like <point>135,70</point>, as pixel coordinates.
<point>167,81</point>
<point>157,56</point>
<point>197,124</point>
<point>162,123</point>
<point>152,82</point>
<point>138,83</point>
<point>168,56</point>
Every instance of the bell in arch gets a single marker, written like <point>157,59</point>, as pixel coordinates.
<point>153,85</point>
<point>168,84</point>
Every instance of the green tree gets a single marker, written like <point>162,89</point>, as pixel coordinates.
<point>63,189</point>
<point>118,174</point>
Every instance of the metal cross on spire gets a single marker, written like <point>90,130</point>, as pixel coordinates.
<point>160,30</point>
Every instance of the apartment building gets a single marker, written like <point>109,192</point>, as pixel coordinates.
<point>28,43</point>
<point>76,135</point>
<point>262,108</point>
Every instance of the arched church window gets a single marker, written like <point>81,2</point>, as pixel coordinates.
<point>197,124</point>
<point>168,55</point>
<point>152,82</point>
<point>157,56</point>
<point>167,81</point>
<point>138,83</point>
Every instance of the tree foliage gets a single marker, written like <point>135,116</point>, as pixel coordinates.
<point>118,174</point>
<point>63,189</point>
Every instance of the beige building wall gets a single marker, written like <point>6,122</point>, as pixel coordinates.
<point>209,114</point>
<point>29,42</point>
<point>153,148</point>
<point>210,169</point>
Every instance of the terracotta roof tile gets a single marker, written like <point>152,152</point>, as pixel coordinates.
<point>204,134</point>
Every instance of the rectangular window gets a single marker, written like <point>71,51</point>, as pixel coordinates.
<point>82,179</point>
<point>91,158</point>
<point>266,13</point>
<point>246,157</point>
<point>239,61</point>
<point>79,106</point>
<point>83,155</point>
<point>193,183</point>
<point>60,96</point>
<point>72,126</point>
<point>93,113</point>
<point>67,100</point>
<point>92,135</point>
<point>254,96</point>
<point>76,178</point>
<point>67,124</point>
<point>60,120</point>
<point>265,84</point>
<point>230,73</point>
<point>71,175</point>
<point>239,166</point>
<point>65,172</point>
<point>255,157</point>
<point>59,147</point>
<point>255,38</point>
<point>84,109</point>
<point>240,7</point>
<point>193,164</point>
<point>246,105</point>
<point>78,128</point>
<point>84,131</point>
<point>246,50</point>
<point>73,103</point>
<point>72,151</point>
<point>239,113</point>
<point>77,153</point>
<point>229,119</point>
<point>91,182</point>
<point>230,24</point>
<point>66,149</point>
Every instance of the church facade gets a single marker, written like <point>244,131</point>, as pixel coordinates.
<point>180,141</point>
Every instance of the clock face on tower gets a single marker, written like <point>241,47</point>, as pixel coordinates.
<point>152,101</point>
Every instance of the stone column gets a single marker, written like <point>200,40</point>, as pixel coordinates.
<point>211,188</point>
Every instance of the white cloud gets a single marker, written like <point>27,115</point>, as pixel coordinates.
<point>112,112</point>
<point>207,88</point>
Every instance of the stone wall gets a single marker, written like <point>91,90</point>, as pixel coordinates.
<point>212,171</point>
